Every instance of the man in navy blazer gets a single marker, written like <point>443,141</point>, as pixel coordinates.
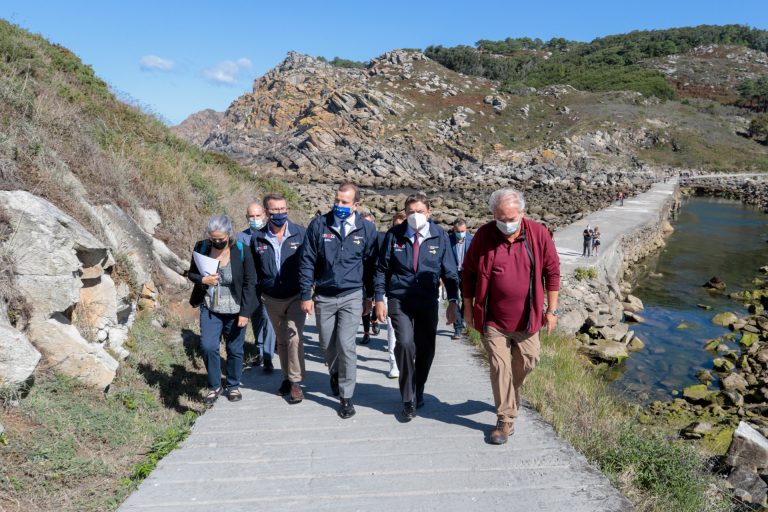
<point>460,239</point>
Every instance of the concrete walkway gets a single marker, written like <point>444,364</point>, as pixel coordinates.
<point>614,222</point>
<point>264,454</point>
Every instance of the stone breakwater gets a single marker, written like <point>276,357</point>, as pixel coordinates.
<point>595,301</point>
<point>751,189</point>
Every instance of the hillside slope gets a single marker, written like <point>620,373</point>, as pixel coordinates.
<point>407,122</point>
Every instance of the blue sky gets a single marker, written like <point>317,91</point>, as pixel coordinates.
<point>176,58</point>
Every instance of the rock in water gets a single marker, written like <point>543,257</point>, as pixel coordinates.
<point>725,319</point>
<point>715,283</point>
<point>698,394</point>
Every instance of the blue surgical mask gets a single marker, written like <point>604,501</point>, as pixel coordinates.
<point>278,219</point>
<point>256,224</point>
<point>508,228</point>
<point>342,212</point>
<point>461,234</point>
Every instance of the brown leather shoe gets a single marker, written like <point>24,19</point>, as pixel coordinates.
<point>503,430</point>
<point>297,395</point>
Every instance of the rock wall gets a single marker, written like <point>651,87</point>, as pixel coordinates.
<point>750,189</point>
<point>64,301</point>
<point>599,309</point>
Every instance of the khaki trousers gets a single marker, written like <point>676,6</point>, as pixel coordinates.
<point>512,357</point>
<point>288,321</point>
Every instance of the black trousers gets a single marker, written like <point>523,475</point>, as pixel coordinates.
<point>415,324</point>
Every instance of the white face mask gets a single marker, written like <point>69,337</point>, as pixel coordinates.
<point>508,228</point>
<point>417,221</point>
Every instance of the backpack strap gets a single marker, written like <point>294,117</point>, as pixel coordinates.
<point>204,248</point>
<point>242,251</point>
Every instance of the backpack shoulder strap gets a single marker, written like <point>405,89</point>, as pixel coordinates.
<point>204,247</point>
<point>242,251</point>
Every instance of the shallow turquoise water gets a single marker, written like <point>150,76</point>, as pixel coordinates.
<point>712,237</point>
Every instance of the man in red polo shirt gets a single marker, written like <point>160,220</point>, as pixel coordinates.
<point>510,267</point>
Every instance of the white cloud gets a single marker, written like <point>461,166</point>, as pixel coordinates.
<point>227,72</point>
<point>155,63</point>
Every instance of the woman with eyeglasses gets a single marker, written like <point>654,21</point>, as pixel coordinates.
<point>225,312</point>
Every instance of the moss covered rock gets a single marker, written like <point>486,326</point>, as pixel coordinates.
<point>698,394</point>
<point>725,319</point>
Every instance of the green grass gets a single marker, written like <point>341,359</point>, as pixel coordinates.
<point>585,273</point>
<point>68,447</point>
<point>644,460</point>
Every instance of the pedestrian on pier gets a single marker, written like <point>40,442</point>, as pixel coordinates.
<point>587,234</point>
<point>595,240</point>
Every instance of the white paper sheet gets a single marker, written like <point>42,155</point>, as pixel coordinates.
<point>207,266</point>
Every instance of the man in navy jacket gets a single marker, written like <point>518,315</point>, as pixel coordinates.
<point>263,332</point>
<point>460,240</point>
<point>415,256</point>
<point>338,259</point>
<point>275,249</point>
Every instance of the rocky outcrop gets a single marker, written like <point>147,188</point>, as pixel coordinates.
<point>18,358</point>
<point>197,127</point>
<point>67,352</point>
<point>49,251</point>
<point>65,275</point>
<point>407,123</point>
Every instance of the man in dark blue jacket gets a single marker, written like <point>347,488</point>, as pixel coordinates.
<point>460,240</point>
<point>338,258</point>
<point>416,255</point>
<point>276,249</point>
<point>263,332</point>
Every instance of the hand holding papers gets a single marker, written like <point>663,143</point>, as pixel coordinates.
<point>207,267</point>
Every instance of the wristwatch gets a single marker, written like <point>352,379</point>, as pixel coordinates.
<point>553,312</point>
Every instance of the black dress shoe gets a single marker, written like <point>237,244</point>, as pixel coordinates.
<point>346,410</point>
<point>375,329</point>
<point>335,384</point>
<point>256,361</point>
<point>268,366</point>
<point>285,388</point>
<point>409,411</point>
<point>366,339</point>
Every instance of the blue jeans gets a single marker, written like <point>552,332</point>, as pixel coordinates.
<point>212,327</point>
<point>263,332</point>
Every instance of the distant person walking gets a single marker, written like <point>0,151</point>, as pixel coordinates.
<point>595,240</point>
<point>587,234</point>
<point>370,324</point>
<point>511,267</point>
<point>415,256</point>
<point>263,332</point>
<point>620,197</point>
<point>394,371</point>
<point>226,311</point>
<point>460,239</point>
<point>275,249</point>
<point>338,259</point>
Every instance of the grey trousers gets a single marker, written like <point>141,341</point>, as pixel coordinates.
<point>263,332</point>
<point>337,322</point>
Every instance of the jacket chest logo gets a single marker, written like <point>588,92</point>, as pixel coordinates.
<point>398,247</point>
<point>433,249</point>
<point>294,246</point>
<point>261,248</point>
<point>357,239</point>
<point>327,237</point>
